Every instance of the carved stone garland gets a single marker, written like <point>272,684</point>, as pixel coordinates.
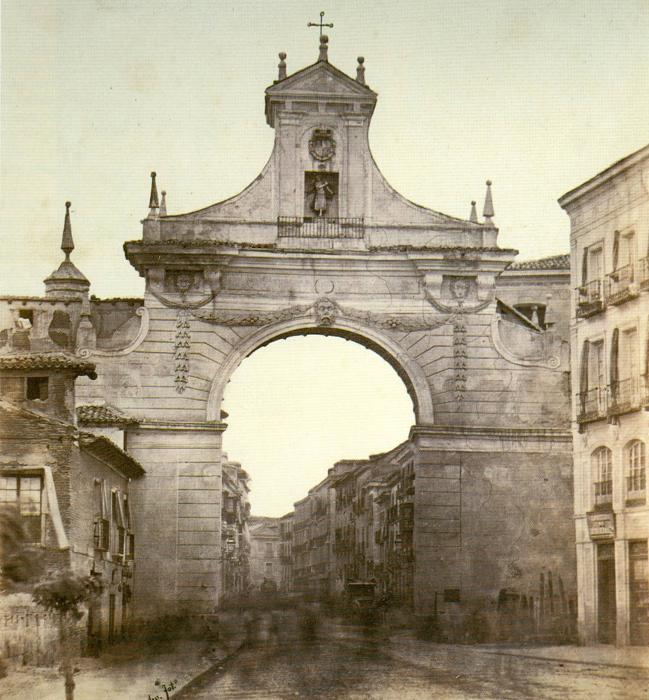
<point>182,344</point>
<point>459,356</point>
<point>325,311</point>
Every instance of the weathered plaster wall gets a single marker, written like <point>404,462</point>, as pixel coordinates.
<point>492,512</point>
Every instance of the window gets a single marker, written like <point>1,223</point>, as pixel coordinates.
<point>27,314</point>
<point>37,388</point>
<point>629,357</point>
<point>25,492</point>
<point>130,552</point>
<point>602,466</point>
<point>127,513</point>
<point>269,549</point>
<point>121,541</point>
<point>635,455</point>
<point>596,369</point>
<point>102,534</point>
<point>626,251</point>
<point>595,264</point>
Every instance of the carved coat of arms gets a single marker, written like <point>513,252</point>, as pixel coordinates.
<point>322,145</point>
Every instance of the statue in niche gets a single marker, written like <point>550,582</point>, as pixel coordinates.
<point>321,192</point>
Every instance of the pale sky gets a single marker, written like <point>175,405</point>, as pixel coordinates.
<point>536,95</point>
<point>298,405</point>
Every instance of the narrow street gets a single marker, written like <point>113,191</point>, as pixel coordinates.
<point>335,668</point>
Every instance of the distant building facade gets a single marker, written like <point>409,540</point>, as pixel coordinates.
<point>286,552</point>
<point>609,217</point>
<point>235,537</point>
<point>265,554</point>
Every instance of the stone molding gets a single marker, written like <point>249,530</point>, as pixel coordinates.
<point>333,312</point>
<point>549,361</point>
<point>143,313</point>
<point>210,426</point>
<point>372,337</point>
<point>473,439</point>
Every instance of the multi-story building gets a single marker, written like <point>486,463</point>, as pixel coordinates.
<point>609,248</point>
<point>265,553</point>
<point>235,538</point>
<point>286,552</point>
<point>300,546</point>
<point>64,467</point>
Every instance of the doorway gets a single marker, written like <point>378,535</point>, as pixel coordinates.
<point>111,617</point>
<point>639,593</point>
<point>606,604</point>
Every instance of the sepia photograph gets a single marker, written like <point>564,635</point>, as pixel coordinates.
<point>324,349</point>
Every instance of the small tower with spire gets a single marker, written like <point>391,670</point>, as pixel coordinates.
<point>67,282</point>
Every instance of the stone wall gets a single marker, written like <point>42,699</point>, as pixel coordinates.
<point>492,516</point>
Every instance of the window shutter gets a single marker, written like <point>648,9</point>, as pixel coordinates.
<point>584,267</point>
<point>616,250</point>
<point>614,370</point>
<point>583,377</point>
<point>105,500</point>
<point>121,520</point>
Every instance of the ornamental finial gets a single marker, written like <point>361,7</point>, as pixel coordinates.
<point>67,244</point>
<point>281,66</point>
<point>473,216</point>
<point>360,70</point>
<point>153,198</point>
<point>324,56</point>
<point>163,204</point>
<point>488,210</point>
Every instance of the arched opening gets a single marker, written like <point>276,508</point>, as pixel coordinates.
<point>304,399</point>
<point>407,369</point>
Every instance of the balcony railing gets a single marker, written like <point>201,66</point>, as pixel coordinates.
<point>620,285</point>
<point>627,395</point>
<point>592,404</point>
<point>590,299</point>
<point>320,227</point>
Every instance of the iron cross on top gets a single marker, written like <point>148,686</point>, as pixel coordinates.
<point>320,24</point>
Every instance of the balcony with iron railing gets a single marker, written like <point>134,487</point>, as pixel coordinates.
<point>592,405</point>
<point>320,227</point>
<point>620,285</point>
<point>627,395</point>
<point>590,299</point>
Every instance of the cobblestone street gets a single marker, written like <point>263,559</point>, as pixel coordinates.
<point>347,668</point>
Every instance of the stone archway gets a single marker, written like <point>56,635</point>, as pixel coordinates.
<point>408,370</point>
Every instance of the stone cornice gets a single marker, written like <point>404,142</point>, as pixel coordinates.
<point>182,426</point>
<point>603,177</point>
<point>483,439</point>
